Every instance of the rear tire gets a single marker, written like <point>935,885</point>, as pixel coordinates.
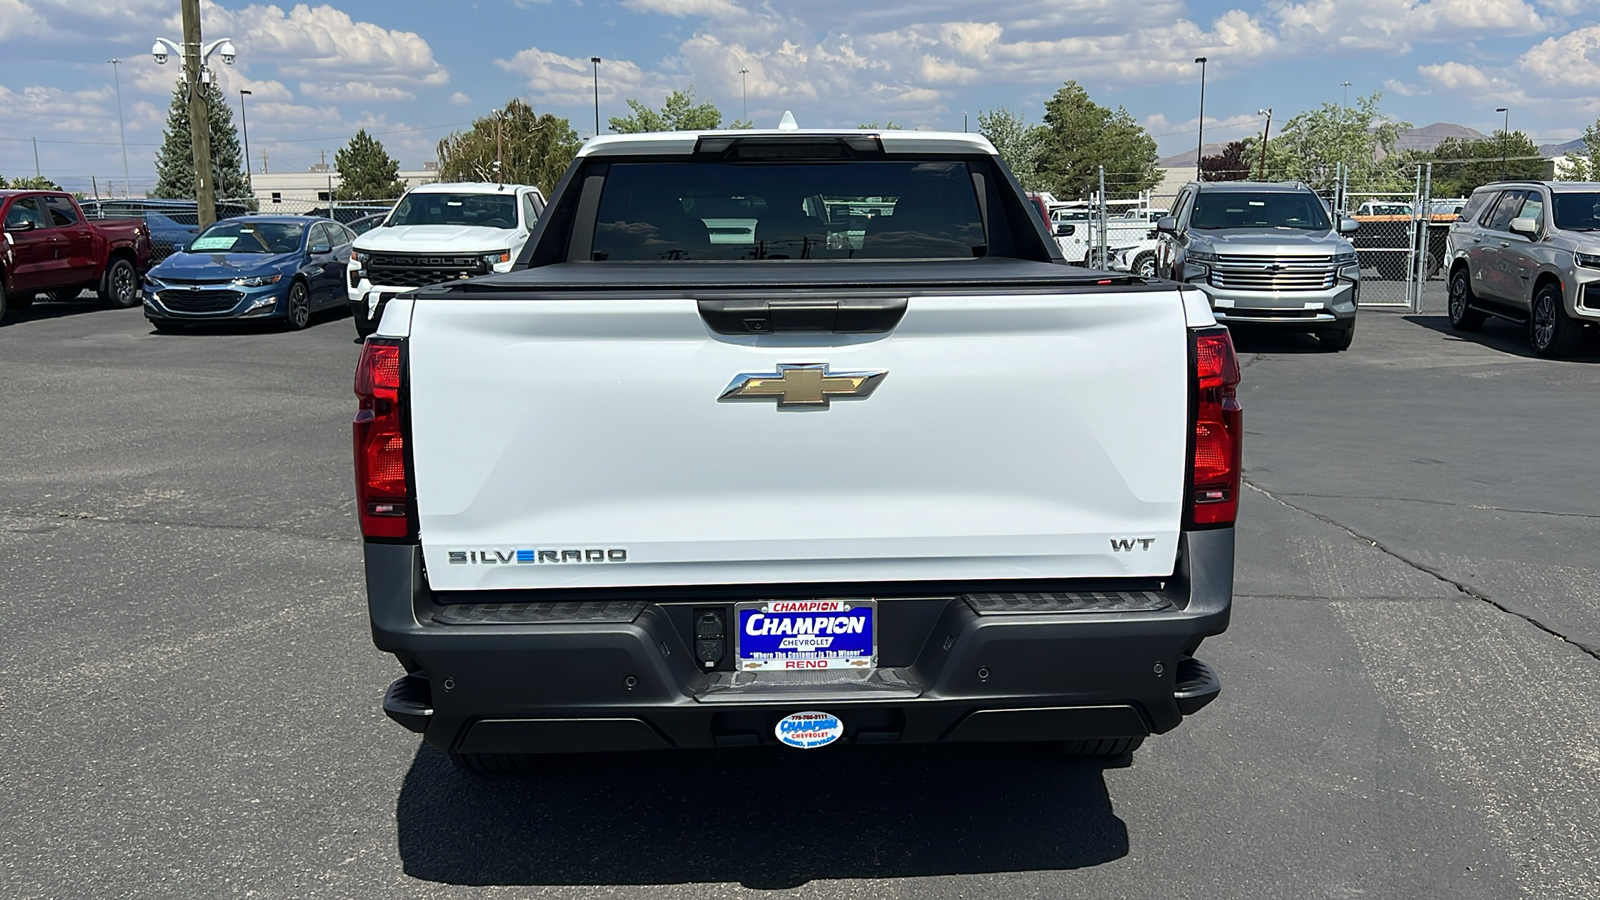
<point>493,765</point>
<point>120,287</point>
<point>1462,316</point>
<point>1550,332</point>
<point>1101,748</point>
<point>1144,265</point>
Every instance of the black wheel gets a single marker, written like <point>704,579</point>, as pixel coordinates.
<point>1103,747</point>
<point>1337,341</point>
<point>1462,316</point>
<point>168,327</point>
<point>1551,333</point>
<point>121,285</point>
<point>1144,265</point>
<point>299,306</point>
<point>493,765</point>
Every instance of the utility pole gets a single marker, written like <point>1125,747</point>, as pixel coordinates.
<point>596,61</point>
<point>245,120</point>
<point>36,172</point>
<point>1265,133</point>
<point>205,196</point>
<point>1200,147</point>
<point>264,161</point>
<point>122,128</point>
<point>1505,140</point>
<point>744,87</point>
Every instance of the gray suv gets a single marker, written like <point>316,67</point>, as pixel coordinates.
<point>1266,254</point>
<point>1528,252</point>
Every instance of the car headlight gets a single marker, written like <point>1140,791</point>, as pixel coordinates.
<point>258,280</point>
<point>1202,256</point>
<point>1344,258</point>
<point>358,259</point>
<point>1587,260</point>
<point>496,258</point>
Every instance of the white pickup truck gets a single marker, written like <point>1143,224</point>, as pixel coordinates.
<point>909,479</point>
<point>439,232</point>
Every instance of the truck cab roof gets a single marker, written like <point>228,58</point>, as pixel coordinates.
<point>894,142</point>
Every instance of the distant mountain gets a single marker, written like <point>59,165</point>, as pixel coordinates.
<point>1429,137</point>
<point>1186,158</point>
<point>1550,151</point>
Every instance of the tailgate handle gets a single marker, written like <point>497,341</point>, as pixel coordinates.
<point>851,315</point>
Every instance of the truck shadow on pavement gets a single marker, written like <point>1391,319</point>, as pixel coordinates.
<point>1506,337</point>
<point>767,819</point>
<point>1256,339</point>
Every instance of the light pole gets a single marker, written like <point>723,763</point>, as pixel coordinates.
<point>195,74</point>
<point>1505,138</point>
<point>744,86</point>
<point>596,61</point>
<point>122,128</point>
<point>1200,143</point>
<point>1266,132</point>
<point>245,121</point>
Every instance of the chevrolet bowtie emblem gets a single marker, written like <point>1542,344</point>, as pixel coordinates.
<point>808,384</point>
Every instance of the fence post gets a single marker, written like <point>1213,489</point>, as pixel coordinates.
<point>1105,244</point>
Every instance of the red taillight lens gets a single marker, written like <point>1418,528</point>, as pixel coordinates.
<point>383,493</point>
<point>1214,470</point>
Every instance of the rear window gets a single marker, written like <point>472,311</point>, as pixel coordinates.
<point>1265,209</point>
<point>861,209</point>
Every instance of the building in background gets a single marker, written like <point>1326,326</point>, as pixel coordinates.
<point>296,192</point>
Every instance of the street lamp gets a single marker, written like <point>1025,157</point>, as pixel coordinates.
<point>1200,146</point>
<point>194,54</point>
<point>245,121</point>
<point>596,61</point>
<point>744,86</point>
<point>122,128</point>
<point>1266,131</point>
<point>1505,139</point>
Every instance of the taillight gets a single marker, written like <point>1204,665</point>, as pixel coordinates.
<point>383,492</point>
<point>1214,467</point>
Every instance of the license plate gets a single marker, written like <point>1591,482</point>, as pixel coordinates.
<point>797,635</point>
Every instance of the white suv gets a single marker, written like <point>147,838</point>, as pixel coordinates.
<point>1528,252</point>
<point>439,232</point>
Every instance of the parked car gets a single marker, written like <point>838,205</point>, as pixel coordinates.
<point>655,490</point>
<point>439,232</point>
<point>1265,254</point>
<point>251,267</point>
<point>1528,252</point>
<point>51,248</point>
<point>365,224</point>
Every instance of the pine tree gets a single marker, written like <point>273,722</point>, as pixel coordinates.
<point>175,159</point>
<point>1081,136</point>
<point>366,170</point>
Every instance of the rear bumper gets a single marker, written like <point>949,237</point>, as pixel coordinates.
<point>621,674</point>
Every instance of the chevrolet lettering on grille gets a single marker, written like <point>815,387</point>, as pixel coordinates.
<point>803,385</point>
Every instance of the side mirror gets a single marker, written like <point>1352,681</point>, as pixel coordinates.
<point>320,249</point>
<point>24,225</point>
<point>1065,229</point>
<point>1527,226</point>
<point>180,246</point>
<point>1348,225</point>
<point>1167,225</point>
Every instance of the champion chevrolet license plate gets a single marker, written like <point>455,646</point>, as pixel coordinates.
<point>794,635</point>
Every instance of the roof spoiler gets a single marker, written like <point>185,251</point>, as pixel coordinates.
<point>768,148</point>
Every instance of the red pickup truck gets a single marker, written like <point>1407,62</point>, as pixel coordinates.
<point>48,247</point>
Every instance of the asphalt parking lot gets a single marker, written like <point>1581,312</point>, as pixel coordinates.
<point>1411,703</point>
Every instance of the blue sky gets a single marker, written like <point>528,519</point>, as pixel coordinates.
<point>412,71</point>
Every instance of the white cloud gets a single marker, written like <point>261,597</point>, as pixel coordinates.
<point>327,44</point>
<point>1393,25</point>
<point>364,91</point>
<point>1569,63</point>
<point>460,99</point>
<point>685,8</point>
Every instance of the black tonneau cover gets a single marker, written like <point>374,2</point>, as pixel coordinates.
<point>668,279</point>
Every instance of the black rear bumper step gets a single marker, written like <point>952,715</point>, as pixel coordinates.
<point>1196,686</point>
<point>1062,602</point>
<point>591,612</point>
<point>409,701</point>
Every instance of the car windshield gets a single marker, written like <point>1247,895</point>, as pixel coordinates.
<point>789,211</point>
<point>233,236</point>
<point>1265,209</point>
<point>1577,211</point>
<point>439,208</point>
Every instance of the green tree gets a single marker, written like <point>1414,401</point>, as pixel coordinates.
<point>175,159</point>
<point>31,183</point>
<point>1314,143</point>
<point>874,126</point>
<point>1461,166</point>
<point>1019,143</point>
<point>1081,135</point>
<point>513,146</point>
<point>678,113</point>
<point>1584,166</point>
<point>367,171</point>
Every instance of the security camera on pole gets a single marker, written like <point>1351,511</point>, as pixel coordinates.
<point>195,73</point>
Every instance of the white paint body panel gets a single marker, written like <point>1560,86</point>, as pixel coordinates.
<point>1013,437</point>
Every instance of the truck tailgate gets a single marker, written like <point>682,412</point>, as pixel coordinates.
<point>574,442</point>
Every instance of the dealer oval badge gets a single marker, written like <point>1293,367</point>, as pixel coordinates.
<point>809,730</point>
